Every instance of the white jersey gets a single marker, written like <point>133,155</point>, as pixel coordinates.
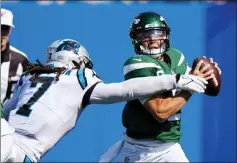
<point>47,109</point>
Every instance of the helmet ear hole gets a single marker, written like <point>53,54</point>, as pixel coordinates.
<point>132,33</point>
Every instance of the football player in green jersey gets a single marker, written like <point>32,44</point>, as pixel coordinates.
<point>153,124</point>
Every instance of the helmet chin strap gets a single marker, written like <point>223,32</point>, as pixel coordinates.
<point>152,52</point>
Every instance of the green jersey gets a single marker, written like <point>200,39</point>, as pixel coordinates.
<point>2,114</point>
<point>135,117</point>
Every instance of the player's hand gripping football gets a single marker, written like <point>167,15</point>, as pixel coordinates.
<point>191,83</point>
<point>202,71</point>
<point>216,65</point>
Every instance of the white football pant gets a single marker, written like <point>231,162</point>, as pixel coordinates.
<point>10,152</point>
<point>151,151</point>
<point>6,140</point>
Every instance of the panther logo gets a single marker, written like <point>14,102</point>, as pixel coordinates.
<point>69,46</point>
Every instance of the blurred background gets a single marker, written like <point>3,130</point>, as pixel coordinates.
<point>197,29</point>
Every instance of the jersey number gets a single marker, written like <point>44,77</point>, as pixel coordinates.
<point>45,83</point>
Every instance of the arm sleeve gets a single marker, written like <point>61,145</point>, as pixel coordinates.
<point>131,89</point>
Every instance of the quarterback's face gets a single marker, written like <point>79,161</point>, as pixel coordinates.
<point>152,39</point>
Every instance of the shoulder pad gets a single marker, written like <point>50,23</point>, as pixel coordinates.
<point>139,59</point>
<point>173,51</point>
<point>176,56</point>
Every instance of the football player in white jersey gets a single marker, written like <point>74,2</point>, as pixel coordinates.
<point>49,98</point>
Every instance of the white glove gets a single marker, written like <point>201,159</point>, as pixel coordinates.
<point>191,83</point>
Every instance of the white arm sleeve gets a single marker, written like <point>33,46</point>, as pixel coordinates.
<point>136,88</point>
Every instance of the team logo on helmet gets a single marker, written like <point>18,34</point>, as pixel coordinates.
<point>136,21</point>
<point>69,46</point>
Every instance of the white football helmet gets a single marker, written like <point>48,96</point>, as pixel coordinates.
<point>67,53</point>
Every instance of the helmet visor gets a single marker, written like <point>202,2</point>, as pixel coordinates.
<point>148,35</point>
<point>152,39</point>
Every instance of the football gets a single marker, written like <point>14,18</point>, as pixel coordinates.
<point>214,85</point>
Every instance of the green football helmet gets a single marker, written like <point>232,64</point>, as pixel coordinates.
<point>148,27</point>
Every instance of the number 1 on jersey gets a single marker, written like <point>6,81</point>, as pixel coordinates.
<point>45,83</point>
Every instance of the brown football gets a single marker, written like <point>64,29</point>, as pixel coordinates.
<point>214,85</point>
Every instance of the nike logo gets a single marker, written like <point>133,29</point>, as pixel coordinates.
<point>187,82</point>
<point>137,59</point>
